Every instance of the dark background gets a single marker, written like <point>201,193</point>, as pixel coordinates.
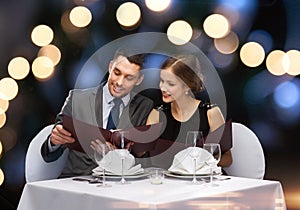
<point>37,102</point>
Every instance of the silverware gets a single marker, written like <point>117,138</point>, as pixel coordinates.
<point>90,181</point>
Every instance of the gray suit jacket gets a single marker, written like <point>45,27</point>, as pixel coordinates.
<point>86,105</point>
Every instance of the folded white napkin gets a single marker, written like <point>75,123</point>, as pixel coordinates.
<point>183,162</point>
<point>112,163</point>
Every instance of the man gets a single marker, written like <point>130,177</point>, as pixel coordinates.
<point>94,105</point>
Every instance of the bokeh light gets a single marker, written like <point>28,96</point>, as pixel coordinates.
<point>237,4</point>
<point>1,177</point>
<point>157,5</point>
<point>287,95</point>
<point>8,138</point>
<point>2,119</point>
<point>1,149</point>
<point>216,26</point>
<point>42,35</point>
<point>220,60</point>
<point>274,62</point>
<point>180,32</point>
<point>18,68</point>
<point>263,38</point>
<point>80,16</point>
<point>4,103</point>
<point>231,13</point>
<point>294,62</point>
<point>128,14</point>
<point>52,52</point>
<point>9,88</point>
<point>227,44</point>
<point>66,24</point>
<point>42,67</point>
<point>252,54</point>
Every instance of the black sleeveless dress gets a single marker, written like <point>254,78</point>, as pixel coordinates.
<point>176,130</point>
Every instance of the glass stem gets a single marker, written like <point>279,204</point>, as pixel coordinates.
<point>103,170</point>
<point>211,174</point>
<point>122,179</point>
<point>194,172</point>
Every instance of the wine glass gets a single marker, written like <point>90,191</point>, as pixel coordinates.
<point>123,152</point>
<point>100,151</point>
<point>215,150</point>
<point>194,138</point>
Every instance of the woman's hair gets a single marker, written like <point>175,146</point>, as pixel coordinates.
<point>187,68</point>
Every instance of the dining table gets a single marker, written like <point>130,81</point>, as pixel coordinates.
<point>231,192</point>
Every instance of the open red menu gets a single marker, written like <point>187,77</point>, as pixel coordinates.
<point>144,137</point>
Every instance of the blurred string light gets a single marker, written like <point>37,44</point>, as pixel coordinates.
<point>8,138</point>
<point>157,5</point>
<point>84,2</point>
<point>294,62</point>
<point>231,13</point>
<point>287,98</point>
<point>42,68</point>
<point>2,119</point>
<point>66,24</point>
<point>18,68</point>
<point>1,177</point>
<point>42,35</point>
<point>4,103</point>
<point>237,4</point>
<point>252,54</point>
<point>80,16</point>
<point>275,62</point>
<point>216,26</point>
<point>287,95</point>
<point>1,148</point>
<point>128,14</point>
<point>52,52</point>
<point>220,60</point>
<point>260,86</point>
<point>227,44</point>
<point>180,32</point>
<point>9,88</point>
<point>263,38</point>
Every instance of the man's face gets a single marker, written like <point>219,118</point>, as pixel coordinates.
<point>123,76</point>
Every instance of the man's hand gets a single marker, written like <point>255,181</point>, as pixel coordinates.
<point>61,136</point>
<point>97,143</point>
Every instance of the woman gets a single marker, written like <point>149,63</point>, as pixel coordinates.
<point>180,81</point>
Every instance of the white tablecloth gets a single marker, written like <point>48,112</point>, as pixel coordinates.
<point>236,193</point>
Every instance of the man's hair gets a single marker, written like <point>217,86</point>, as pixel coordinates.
<point>131,55</point>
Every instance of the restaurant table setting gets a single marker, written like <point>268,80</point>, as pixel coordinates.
<point>113,164</point>
<point>153,188</point>
<point>172,193</point>
<point>183,162</point>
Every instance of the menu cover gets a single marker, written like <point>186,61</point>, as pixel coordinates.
<point>144,137</point>
<point>222,136</point>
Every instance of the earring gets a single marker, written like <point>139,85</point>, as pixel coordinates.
<point>186,92</point>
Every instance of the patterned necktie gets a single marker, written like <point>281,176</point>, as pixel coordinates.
<point>113,118</point>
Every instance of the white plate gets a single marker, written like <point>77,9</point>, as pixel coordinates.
<point>113,176</point>
<point>108,173</point>
<point>189,176</point>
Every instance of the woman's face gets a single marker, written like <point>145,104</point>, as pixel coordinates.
<point>171,86</point>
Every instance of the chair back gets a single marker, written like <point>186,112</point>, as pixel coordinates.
<point>36,169</point>
<point>247,154</point>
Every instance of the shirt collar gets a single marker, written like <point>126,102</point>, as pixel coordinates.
<point>108,98</point>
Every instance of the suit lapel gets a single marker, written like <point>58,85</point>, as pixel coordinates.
<point>96,105</point>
